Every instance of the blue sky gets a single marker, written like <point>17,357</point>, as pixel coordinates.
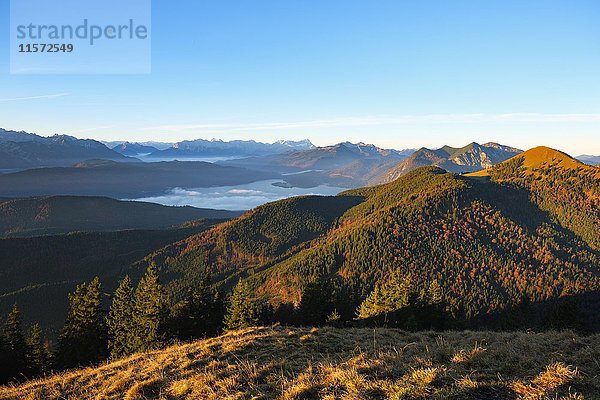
<point>395,73</point>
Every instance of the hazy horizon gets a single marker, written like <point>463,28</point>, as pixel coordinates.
<point>450,142</point>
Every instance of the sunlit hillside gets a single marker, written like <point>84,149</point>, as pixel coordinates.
<point>540,156</point>
<point>527,234</point>
<point>330,363</point>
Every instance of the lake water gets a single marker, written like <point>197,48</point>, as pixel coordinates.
<point>240,197</point>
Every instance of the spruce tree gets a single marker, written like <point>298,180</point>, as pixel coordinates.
<point>15,347</point>
<point>244,309</point>
<point>82,339</point>
<point>148,312</point>
<point>434,312</point>
<point>120,320</point>
<point>37,354</point>
<point>388,297</point>
<point>200,314</point>
<point>316,303</point>
<point>4,362</point>
<point>435,293</point>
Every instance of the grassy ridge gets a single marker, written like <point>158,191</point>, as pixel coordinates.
<point>330,363</point>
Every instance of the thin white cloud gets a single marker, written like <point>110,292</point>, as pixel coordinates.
<point>44,96</point>
<point>382,120</point>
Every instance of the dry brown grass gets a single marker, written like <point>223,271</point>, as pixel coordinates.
<point>329,363</point>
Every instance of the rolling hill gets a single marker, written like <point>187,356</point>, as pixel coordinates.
<point>64,214</point>
<point>330,363</point>
<point>489,244</point>
<point>123,180</point>
<point>20,150</point>
<point>559,184</point>
<point>472,157</point>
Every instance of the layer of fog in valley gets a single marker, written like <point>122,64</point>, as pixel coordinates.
<point>157,158</point>
<point>240,197</point>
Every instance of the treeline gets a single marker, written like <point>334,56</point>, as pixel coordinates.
<point>21,355</point>
<point>138,319</point>
<point>146,317</point>
<point>38,273</point>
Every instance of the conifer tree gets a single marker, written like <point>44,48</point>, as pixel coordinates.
<point>4,362</point>
<point>120,320</point>
<point>316,303</point>
<point>200,314</point>
<point>148,312</point>
<point>37,355</point>
<point>15,347</point>
<point>243,309</point>
<point>386,298</point>
<point>435,293</point>
<point>433,313</point>
<point>82,339</point>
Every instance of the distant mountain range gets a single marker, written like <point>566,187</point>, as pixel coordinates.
<point>20,150</point>
<point>155,145</point>
<point>64,214</point>
<point>470,158</point>
<point>134,149</point>
<point>208,148</point>
<point>234,148</point>
<point>89,167</point>
<point>354,165</point>
<point>589,159</point>
<point>344,164</point>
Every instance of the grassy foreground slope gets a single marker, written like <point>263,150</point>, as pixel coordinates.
<point>330,363</point>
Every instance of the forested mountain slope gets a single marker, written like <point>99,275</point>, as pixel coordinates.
<point>475,245</point>
<point>268,233</point>
<point>37,273</point>
<point>566,188</point>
